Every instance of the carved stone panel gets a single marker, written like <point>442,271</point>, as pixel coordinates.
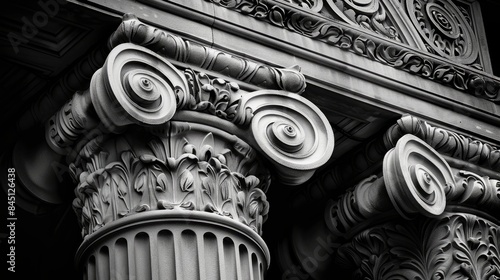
<point>446,29</point>
<point>454,246</point>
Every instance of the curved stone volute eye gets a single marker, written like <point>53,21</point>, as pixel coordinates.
<point>136,85</point>
<point>416,178</point>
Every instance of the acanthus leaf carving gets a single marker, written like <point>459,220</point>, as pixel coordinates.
<point>454,246</point>
<point>171,173</point>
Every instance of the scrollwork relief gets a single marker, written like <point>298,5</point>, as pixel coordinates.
<point>129,89</point>
<point>313,5</point>
<point>406,59</point>
<point>174,47</point>
<point>445,142</point>
<point>371,15</point>
<point>289,130</point>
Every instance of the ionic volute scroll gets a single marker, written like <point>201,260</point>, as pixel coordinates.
<point>289,130</point>
<point>415,182</point>
<point>134,86</point>
<point>139,92</point>
<point>138,86</point>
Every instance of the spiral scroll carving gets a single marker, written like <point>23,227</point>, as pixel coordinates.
<point>416,178</point>
<point>136,85</point>
<point>444,29</point>
<point>290,130</point>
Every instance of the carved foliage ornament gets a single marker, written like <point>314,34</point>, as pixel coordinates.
<point>138,88</point>
<point>136,173</point>
<point>369,14</point>
<point>177,48</point>
<point>416,180</point>
<point>445,142</point>
<point>406,59</point>
<point>459,246</point>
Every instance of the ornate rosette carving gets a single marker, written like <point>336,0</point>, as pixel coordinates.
<point>445,29</point>
<point>135,85</point>
<point>416,178</point>
<point>290,131</point>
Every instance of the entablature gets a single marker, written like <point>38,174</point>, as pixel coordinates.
<point>339,58</point>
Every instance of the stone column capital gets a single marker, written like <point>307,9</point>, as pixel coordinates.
<point>152,142</point>
<point>136,86</point>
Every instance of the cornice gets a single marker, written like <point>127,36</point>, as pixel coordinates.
<point>371,46</point>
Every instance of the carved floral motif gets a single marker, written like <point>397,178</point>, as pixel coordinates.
<point>480,192</point>
<point>214,96</point>
<point>128,91</point>
<point>171,173</point>
<point>456,246</point>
